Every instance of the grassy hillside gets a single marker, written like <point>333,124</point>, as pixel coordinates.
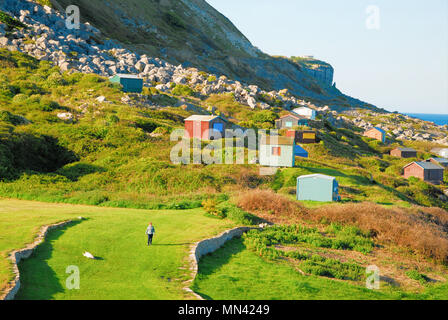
<point>108,154</point>
<point>116,153</point>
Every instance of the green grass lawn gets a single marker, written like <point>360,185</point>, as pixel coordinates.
<point>127,268</point>
<point>233,272</point>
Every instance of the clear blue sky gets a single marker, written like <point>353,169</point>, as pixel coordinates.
<point>403,66</point>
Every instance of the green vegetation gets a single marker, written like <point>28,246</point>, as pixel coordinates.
<point>182,90</point>
<point>233,272</point>
<point>211,79</point>
<point>115,236</point>
<point>105,156</point>
<point>415,275</point>
<point>10,22</point>
<point>118,155</point>
<point>266,243</point>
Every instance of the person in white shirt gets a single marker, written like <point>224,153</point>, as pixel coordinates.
<point>150,231</point>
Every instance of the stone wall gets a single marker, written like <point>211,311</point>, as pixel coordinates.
<point>207,246</point>
<point>18,255</point>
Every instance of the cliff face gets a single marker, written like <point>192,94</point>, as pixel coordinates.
<point>192,33</point>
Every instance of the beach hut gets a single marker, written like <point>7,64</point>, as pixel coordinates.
<point>404,153</point>
<point>427,171</point>
<point>302,136</point>
<point>306,112</point>
<point>440,161</point>
<point>277,151</point>
<point>441,152</point>
<point>300,152</point>
<point>131,83</point>
<point>317,187</point>
<point>376,133</point>
<point>290,121</point>
<point>205,127</point>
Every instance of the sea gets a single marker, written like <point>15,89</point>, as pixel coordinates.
<point>439,119</point>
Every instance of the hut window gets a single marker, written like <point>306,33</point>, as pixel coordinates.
<point>288,124</point>
<point>218,127</point>
<point>276,151</point>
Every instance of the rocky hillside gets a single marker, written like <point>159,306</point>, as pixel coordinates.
<point>41,32</point>
<point>192,33</point>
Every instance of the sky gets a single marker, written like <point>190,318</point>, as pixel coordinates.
<point>393,54</point>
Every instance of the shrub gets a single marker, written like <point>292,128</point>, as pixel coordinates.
<point>423,230</point>
<point>268,202</point>
<point>55,80</point>
<point>238,215</point>
<point>48,105</point>
<point>211,79</point>
<point>10,21</point>
<point>415,275</point>
<point>174,20</point>
<point>210,206</point>
<point>182,90</point>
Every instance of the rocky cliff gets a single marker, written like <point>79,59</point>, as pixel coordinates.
<point>192,33</point>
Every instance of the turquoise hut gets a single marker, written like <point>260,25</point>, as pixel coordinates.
<point>317,187</point>
<point>130,83</point>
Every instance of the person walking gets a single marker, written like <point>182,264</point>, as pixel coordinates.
<point>150,231</point>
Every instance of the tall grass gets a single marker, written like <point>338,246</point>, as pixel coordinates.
<point>422,230</point>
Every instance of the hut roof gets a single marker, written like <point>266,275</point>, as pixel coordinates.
<point>127,76</point>
<point>440,160</point>
<point>407,149</point>
<point>426,165</point>
<point>378,129</point>
<point>316,175</point>
<point>197,117</point>
<point>277,140</point>
<point>297,116</point>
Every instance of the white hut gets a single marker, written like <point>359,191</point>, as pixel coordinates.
<point>306,112</point>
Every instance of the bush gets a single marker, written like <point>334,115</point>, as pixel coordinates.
<point>415,275</point>
<point>211,79</point>
<point>182,90</point>
<point>48,105</point>
<point>10,21</point>
<point>423,230</point>
<point>55,80</point>
<point>210,206</point>
<point>264,243</point>
<point>238,215</point>
<point>268,202</point>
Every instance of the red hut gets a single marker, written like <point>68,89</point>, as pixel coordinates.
<point>204,127</point>
<point>427,171</point>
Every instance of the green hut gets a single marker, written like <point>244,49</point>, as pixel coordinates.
<point>130,83</point>
<point>317,187</point>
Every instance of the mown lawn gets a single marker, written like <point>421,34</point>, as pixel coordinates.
<point>126,268</point>
<point>233,272</point>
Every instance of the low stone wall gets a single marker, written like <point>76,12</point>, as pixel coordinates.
<point>204,247</point>
<point>18,255</point>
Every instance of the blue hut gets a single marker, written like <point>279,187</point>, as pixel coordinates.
<point>300,152</point>
<point>130,83</point>
<point>317,187</point>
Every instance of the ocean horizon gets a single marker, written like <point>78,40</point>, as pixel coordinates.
<point>439,119</point>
